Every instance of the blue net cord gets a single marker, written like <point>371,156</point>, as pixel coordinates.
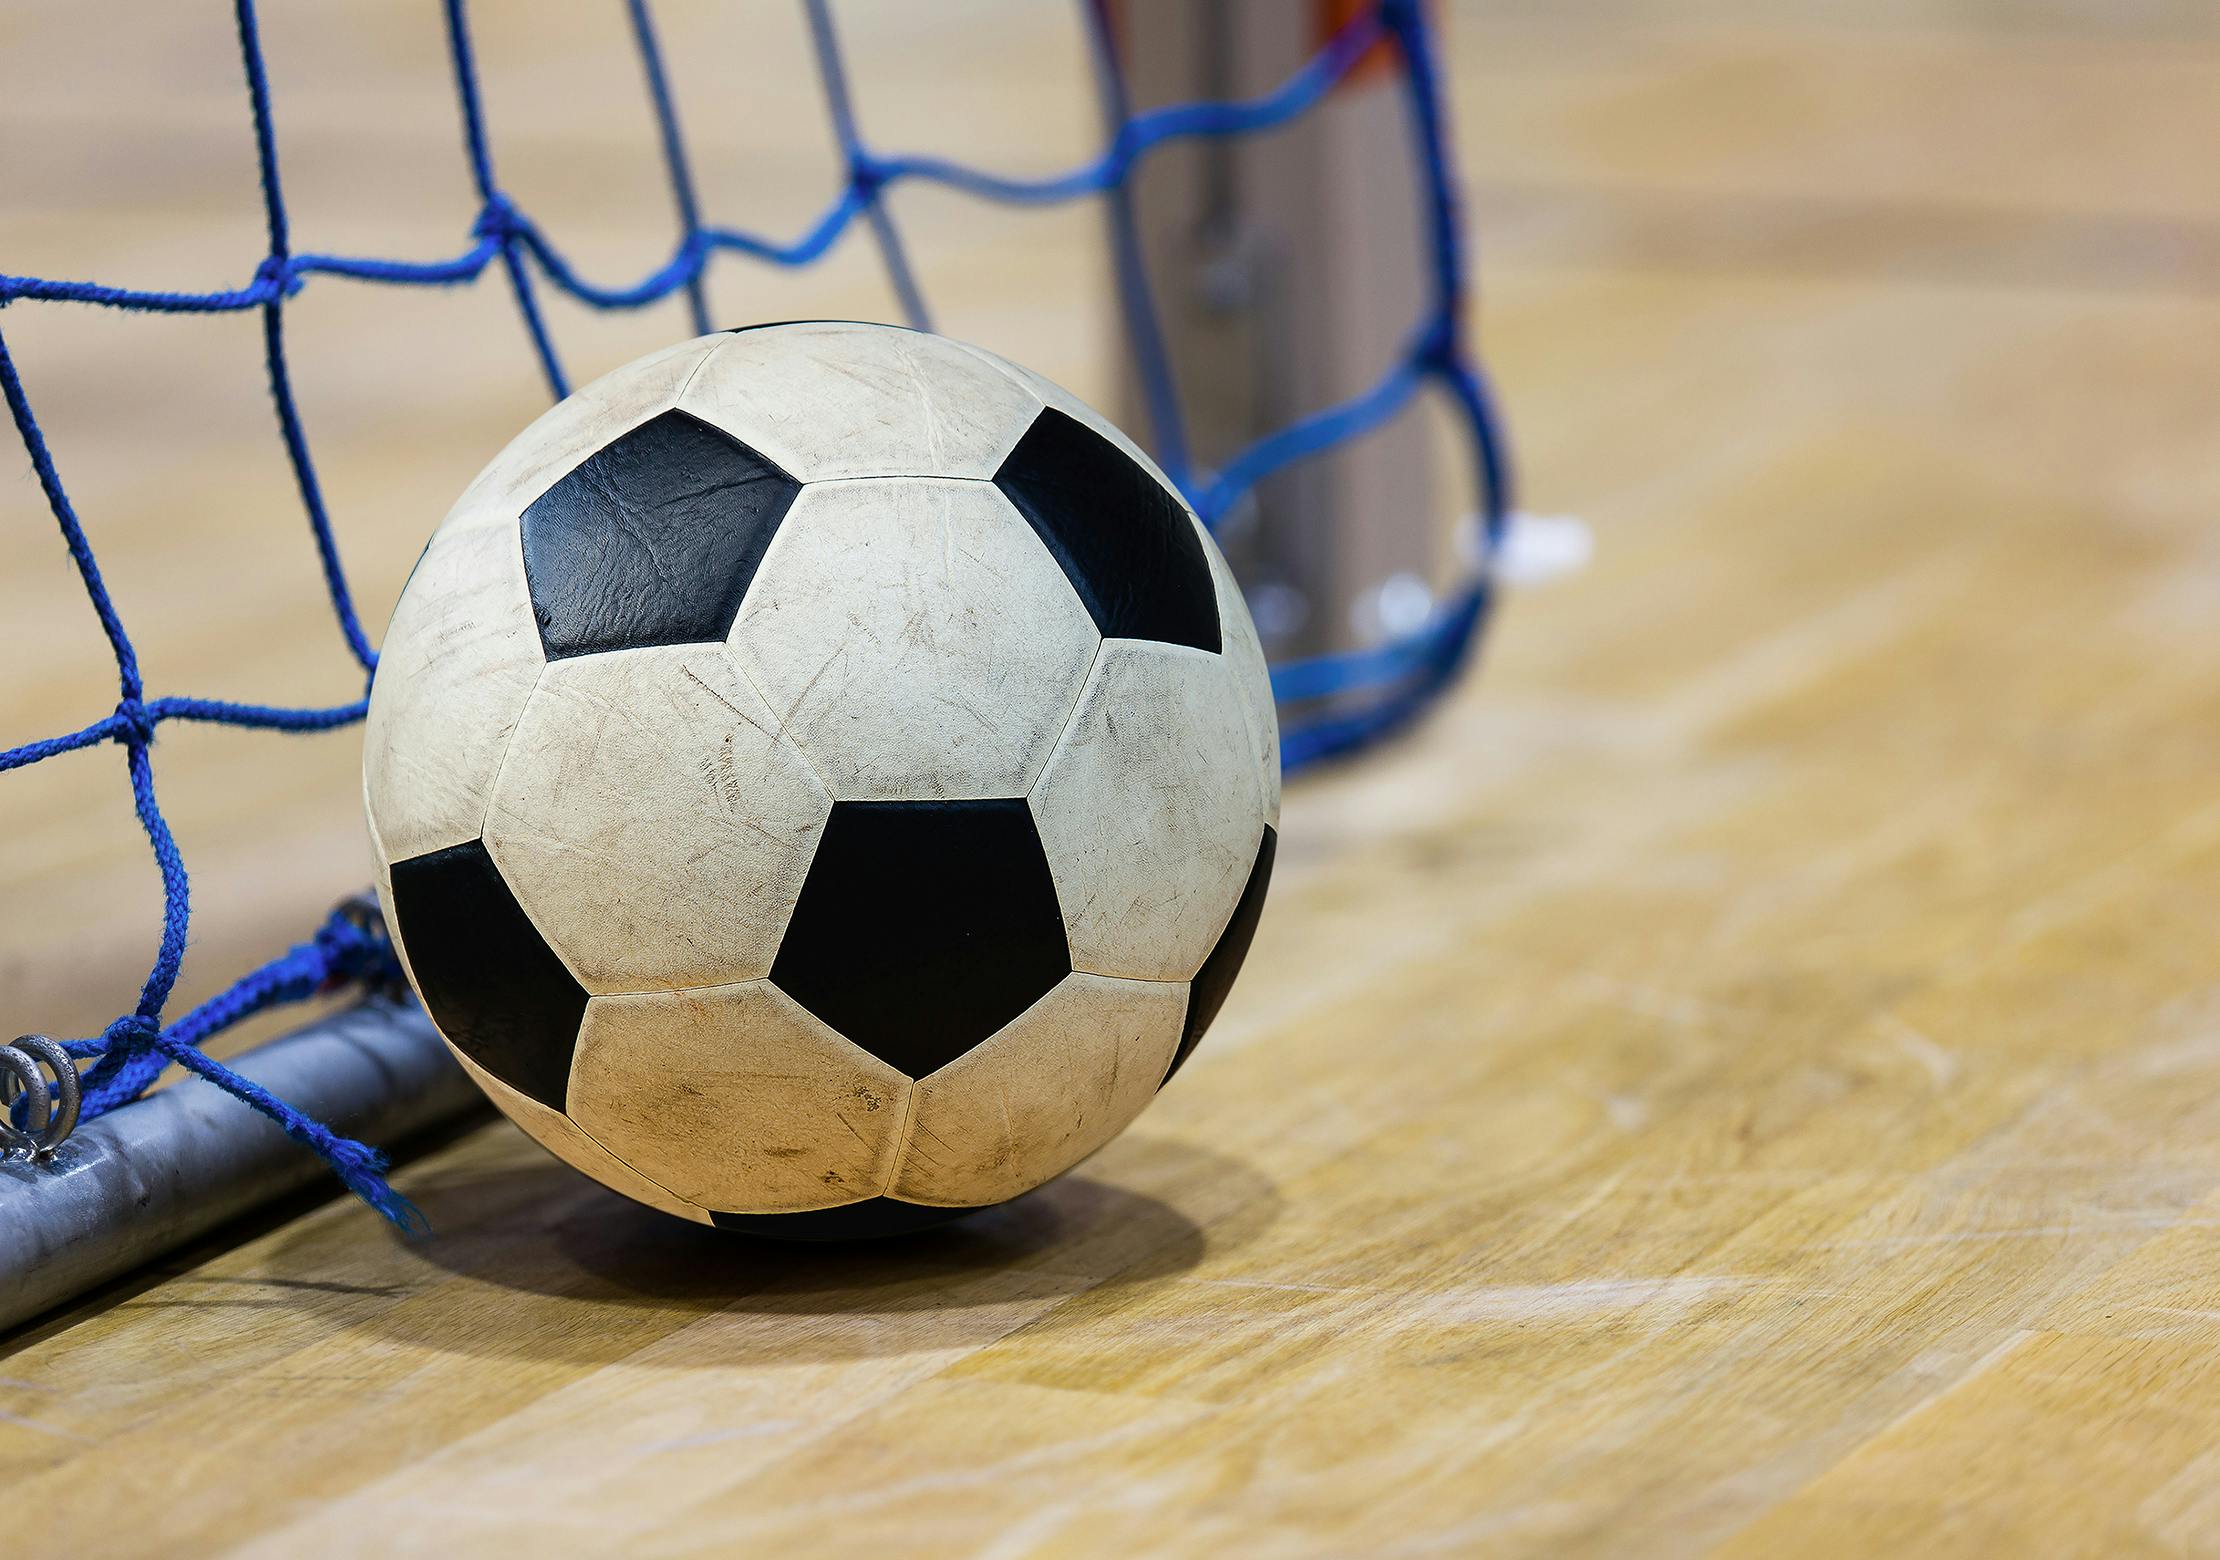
<point>1397,680</point>
<point>674,154</point>
<point>1152,360</point>
<point>864,176</point>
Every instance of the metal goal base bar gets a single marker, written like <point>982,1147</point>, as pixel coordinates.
<point>165,1170</point>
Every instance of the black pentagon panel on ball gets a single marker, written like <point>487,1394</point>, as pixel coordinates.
<point>653,539</point>
<point>1124,541</point>
<point>924,927</point>
<point>489,980</point>
<point>866,1220</point>
<point>1207,992</point>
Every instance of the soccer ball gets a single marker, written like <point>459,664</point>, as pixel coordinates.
<point>822,779</point>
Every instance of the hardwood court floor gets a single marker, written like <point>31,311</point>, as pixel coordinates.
<point>1746,1077</point>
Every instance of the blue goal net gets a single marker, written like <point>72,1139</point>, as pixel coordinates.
<point>1331,704</point>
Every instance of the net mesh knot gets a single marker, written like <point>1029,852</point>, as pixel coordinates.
<point>500,220</point>
<point>135,723</point>
<point>277,277</point>
<point>868,175</point>
<point>132,1030</point>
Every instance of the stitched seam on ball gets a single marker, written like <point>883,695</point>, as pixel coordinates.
<point>695,373</point>
<point>785,734</point>
<point>508,746</point>
<point>1012,375</point>
<point>1025,379</point>
<point>508,743</point>
<point>1049,752</point>
<point>479,1076</point>
<point>894,1161</point>
<point>493,789</point>
<point>898,476</point>
<point>619,1158</point>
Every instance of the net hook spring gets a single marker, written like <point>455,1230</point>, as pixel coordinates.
<point>49,1112</point>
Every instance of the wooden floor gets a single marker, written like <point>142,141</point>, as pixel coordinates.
<point>1745,1078</point>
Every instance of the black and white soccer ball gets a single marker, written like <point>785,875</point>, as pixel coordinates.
<point>822,779</point>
